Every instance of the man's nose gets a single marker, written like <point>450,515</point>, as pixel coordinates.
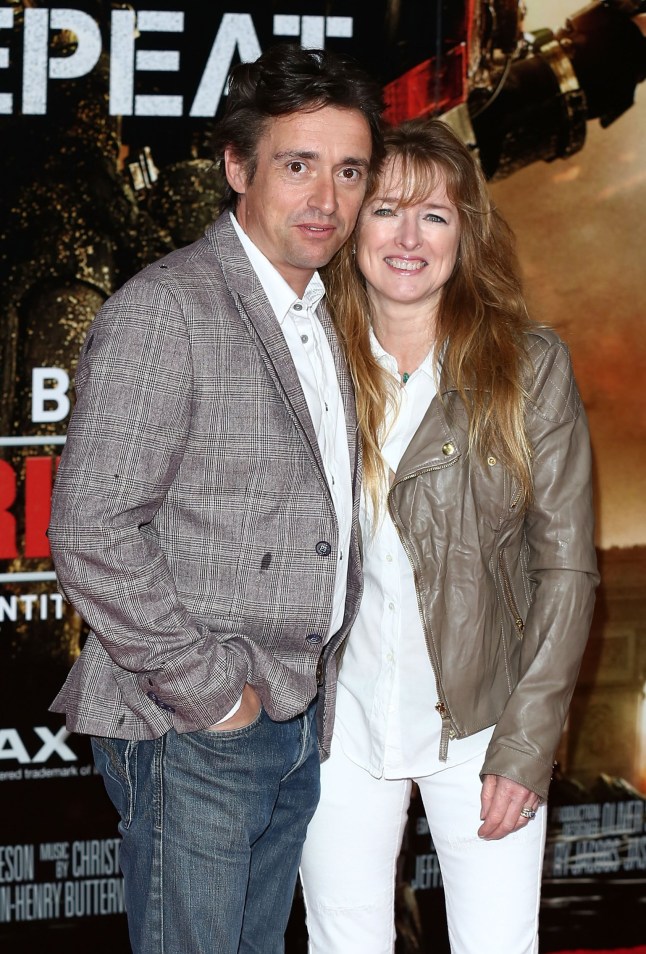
<point>323,195</point>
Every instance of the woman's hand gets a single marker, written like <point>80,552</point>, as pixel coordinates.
<point>502,803</point>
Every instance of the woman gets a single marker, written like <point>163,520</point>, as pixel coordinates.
<point>479,563</point>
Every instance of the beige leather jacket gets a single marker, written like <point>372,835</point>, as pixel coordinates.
<point>506,597</point>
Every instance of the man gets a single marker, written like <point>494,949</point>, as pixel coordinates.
<point>204,520</point>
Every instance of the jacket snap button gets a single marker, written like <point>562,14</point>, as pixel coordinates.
<point>491,461</point>
<point>323,548</point>
<point>447,448</point>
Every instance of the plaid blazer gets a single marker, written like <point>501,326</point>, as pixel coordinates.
<point>192,526</point>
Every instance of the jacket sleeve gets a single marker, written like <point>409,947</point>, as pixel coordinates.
<point>124,447</point>
<point>562,575</point>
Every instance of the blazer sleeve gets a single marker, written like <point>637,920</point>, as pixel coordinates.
<point>125,444</point>
<point>562,574</point>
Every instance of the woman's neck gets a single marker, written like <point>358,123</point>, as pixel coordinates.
<point>406,335</point>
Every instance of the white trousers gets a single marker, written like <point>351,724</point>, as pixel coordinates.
<point>492,888</point>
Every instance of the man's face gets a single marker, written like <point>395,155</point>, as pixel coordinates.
<point>306,194</point>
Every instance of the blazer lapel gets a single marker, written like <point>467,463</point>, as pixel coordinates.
<point>258,316</point>
<point>262,323</point>
<point>264,327</point>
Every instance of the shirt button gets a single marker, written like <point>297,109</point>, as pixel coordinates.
<point>391,606</point>
<point>389,558</point>
<point>298,307</point>
<point>323,548</point>
<point>314,638</point>
<point>304,339</point>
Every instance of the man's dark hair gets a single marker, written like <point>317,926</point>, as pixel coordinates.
<point>287,79</point>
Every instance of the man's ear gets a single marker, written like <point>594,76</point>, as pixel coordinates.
<point>234,170</point>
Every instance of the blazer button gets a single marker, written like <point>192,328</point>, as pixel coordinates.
<point>448,448</point>
<point>314,638</point>
<point>323,548</point>
<point>158,702</point>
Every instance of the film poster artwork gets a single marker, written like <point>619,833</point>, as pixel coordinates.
<point>104,168</point>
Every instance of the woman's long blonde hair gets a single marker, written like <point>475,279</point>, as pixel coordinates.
<point>481,319</point>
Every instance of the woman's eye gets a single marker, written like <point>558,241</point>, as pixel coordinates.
<point>384,213</point>
<point>431,217</point>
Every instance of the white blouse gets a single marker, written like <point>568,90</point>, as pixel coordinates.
<point>385,716</point>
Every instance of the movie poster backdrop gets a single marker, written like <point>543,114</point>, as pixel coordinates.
<point>106,112</point>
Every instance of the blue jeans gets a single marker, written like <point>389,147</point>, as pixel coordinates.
<point>212,825</point>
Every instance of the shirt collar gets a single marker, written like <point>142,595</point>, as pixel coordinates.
<point>281,296</point>
<point>388,362</point>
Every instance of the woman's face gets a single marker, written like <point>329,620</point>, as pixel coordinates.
<point>406,254</point>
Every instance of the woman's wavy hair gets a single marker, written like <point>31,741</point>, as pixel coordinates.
<point>481,319</point>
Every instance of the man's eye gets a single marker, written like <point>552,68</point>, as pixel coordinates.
<point>350,174</point>
<point>296,166</point>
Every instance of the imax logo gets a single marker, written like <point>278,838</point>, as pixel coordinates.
<point>13,747</point>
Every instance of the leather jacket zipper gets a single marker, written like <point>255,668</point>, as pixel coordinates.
<point>446,733</point>
<point>509,595</point>
<point>515,499</point>
<point>441,707</point>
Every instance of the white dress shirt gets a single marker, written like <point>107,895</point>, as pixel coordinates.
<point>312,356</point>
<point>385,717</point>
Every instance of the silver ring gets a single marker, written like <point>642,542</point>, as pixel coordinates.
<point>528,813</point>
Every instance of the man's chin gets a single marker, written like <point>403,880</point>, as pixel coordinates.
<point>316,257</point>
